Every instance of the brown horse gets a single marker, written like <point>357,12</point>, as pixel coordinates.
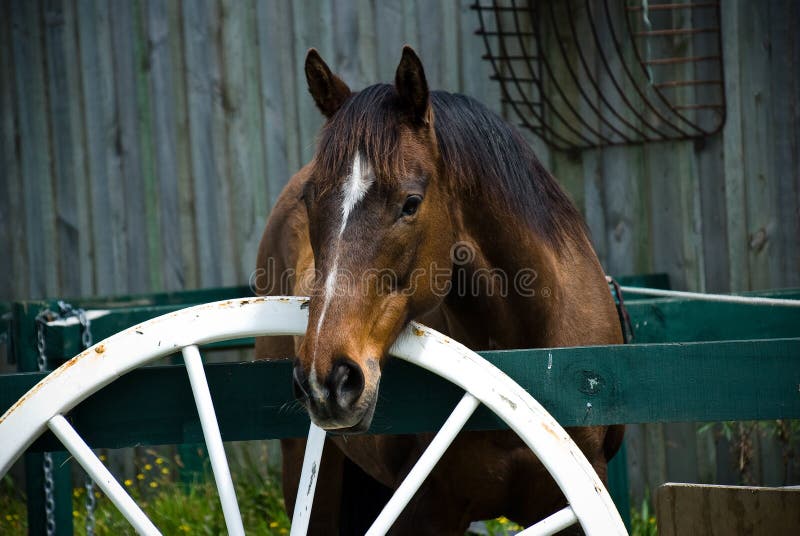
<point>424,205</point>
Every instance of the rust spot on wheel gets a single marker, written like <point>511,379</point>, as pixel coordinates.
<point>100,348</point>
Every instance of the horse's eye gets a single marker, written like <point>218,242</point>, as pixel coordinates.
<point>411,205</point>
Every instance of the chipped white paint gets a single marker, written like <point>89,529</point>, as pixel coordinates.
<point>355,187</point>
<point>308,480</point>
<point>549,360</point>
<point>593,383</point>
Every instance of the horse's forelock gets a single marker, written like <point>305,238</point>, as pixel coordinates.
<point>368,126</point>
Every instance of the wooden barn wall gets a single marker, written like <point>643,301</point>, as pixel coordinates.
<point>143,144</point>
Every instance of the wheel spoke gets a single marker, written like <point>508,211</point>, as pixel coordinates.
<point>216,451</point>
<point>308,480</point>
<point>101,475</point>
<point>553,523</point>
<point>452,426</point>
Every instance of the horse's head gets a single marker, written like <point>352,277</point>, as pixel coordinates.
<point>380,232</point>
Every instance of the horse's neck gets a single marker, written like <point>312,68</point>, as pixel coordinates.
<point>551,299</point>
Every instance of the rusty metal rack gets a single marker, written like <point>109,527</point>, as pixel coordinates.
<point>591,73</point>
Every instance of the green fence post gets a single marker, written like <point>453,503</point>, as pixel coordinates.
<point>24,325</point>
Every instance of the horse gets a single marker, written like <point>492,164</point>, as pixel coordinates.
<point>424,205</point>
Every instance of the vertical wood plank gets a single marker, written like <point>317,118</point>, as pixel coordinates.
<point>635,449</point>
<point>204,115</point>
<point>312,28</point>
<point>34,149</point>
<point>66,209</point>
<point>102,138</point>
<point>152,230</point>
<point>164,112</point>
<point>131,158</point>
<point>429,33</point>
<point>273,38</point>
<point>368,64</point>
<point>593,179</point>
<point>474,72</point>
<point>347,41</point>
<point>451,66</point>
<point>711,170</point>
<point>735,205</point>
<point>566,166</point>
<point>243,133</point>
<point>186,200</point>
<point>12,235</point>
<point>77,145</point>
<point>390,23</point>
<point>625,179</point>
<point>239,168</point>
<point>784,83</point>
<point>755,94</point>
<point>255,134</point>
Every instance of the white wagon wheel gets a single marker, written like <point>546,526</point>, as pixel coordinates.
<point>46,403</point>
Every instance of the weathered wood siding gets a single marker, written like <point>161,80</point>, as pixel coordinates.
<point>143,144</point>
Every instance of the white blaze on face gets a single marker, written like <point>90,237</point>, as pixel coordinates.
<point>355,187</point>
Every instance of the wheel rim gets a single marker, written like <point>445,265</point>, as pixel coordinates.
<point>45,404</point>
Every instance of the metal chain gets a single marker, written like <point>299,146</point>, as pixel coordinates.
<point>65,311</point>
<point>90,506</point>
<point>68,311</point>
<point>47,464</point>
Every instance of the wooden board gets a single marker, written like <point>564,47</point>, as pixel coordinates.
<point>691,509</point>
<point>579,386</point>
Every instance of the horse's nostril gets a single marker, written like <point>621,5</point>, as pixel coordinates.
<point>346,382</point>
<point>299,383</point>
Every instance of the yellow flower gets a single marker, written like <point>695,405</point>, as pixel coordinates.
<point>97,494</point>
<point>103,457</point>
<point>652,521</point>
<point>284,530</point>
<point>184,528</point>
<point>147,467</point>
<point>502,520</point>
<point>9,518</point>
<point>164,471</point>
<point>153,484</point>
<point>159,461</point>
<point>273,524</point>
<point>76,492</point>
<point>128,482</point>
<point>140,476</point>
<point>74,513</point>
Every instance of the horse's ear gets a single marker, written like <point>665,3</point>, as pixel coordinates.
<point>412,87</point>
<point>328,90</point>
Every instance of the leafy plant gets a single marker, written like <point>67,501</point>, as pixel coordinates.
<point>739,434</point>
<point>643,520</point>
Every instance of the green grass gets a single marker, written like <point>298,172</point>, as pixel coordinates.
<point>177,508</point>
<point>174,507</point>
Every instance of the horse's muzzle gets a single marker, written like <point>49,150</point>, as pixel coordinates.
<point>339,403</point>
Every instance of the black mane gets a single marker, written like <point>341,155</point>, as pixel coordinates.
<point>482,155</point>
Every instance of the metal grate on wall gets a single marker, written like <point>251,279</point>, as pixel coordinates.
<point>591,73</point>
